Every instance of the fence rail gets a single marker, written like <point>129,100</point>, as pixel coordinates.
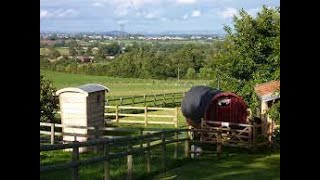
<point>142,144</point>
<point>150,100</point>
<point>146,115</point>
<point>221,135</point>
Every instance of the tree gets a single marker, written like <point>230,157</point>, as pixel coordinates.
<point>73,51</point>
<point>48,104</point>
<point>250,53</point>
<point>89,51</point>
<point>53,53</point>
<point>191,73</point>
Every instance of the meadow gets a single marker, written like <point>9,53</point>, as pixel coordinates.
<point>120,87</point>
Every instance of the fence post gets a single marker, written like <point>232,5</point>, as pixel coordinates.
<point>106,163</point>
<point>117,114</point>
<point>219,143</point>
<point>163,138</point>
<point>175,155</point>
<point>187,147</point>
<point>254,136</point>
<point>155,100</point>
<point>75,159</point>
<point>141,133</point>
<point>145,100</point>
<point>145,116</point>
<point>121,101</point>
<point>132,100</point>
<point>173,98</point>
<point>52,133</point>
<point>176,118</point>
<point>129,163</point>
<point>95,135</point>
<point>148,154</point>
<point>164,100</point>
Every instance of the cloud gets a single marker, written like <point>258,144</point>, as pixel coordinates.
<point>150,15</point>
<point>68,13</point>
<point>186,1</point>
<point>44,14</point>
<point>59,13</point>
<point>253,12</point>
<point>122,21</point>
<point>228,13</point>
<point>97,4</point>
<point>185,17</point>
<point>195,13</point>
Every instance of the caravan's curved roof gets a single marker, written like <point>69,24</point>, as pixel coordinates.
<point>84,89</point>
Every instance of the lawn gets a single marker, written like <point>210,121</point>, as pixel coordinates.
<point>236,165</point>
<point>121,86</point>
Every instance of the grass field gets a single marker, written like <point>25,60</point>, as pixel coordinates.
<point>63,51</point>
<point>121,86</point>
<point>234,164</point>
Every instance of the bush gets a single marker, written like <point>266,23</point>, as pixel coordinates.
<point>48,103</point>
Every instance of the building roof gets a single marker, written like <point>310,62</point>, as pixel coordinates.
<point>268,91</point>
<point>84,89</point>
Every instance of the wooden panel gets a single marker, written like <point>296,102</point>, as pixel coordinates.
<point>72,97</point>
<point>67,116</point>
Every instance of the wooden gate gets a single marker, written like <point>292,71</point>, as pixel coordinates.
<point>227,133</point>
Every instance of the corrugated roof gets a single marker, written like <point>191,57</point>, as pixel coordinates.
<point>266,90</point>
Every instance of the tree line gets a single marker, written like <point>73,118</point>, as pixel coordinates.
<point>249,55</point>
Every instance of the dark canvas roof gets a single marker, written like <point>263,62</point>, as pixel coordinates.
<point>195,102</point>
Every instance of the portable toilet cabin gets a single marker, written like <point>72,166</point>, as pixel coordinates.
<point>81,106</point>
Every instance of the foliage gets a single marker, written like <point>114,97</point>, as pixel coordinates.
<point>274,112</point>
<point>53,53</point>
<point>48,104</point>
<point>250,53</point>
<point>191,73</point>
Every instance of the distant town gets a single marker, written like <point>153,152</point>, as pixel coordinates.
<point>116,35</point>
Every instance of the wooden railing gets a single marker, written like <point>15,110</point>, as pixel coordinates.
<point>173,115</point>
<point>53,133</point>
<point>148,100</point>
<point>225,134</point>
<point>142,144</point>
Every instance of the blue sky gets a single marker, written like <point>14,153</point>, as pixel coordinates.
<point>149,16</point>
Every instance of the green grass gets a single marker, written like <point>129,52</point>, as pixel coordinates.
<point>121,86</point>
<point>234,164</point>
<point>118,167</point>
<point>238,165</point>
<point>62,50</point>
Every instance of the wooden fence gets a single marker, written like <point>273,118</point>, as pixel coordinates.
<point>54,131</point>
<point>142,144</point>
<point>222,135</point>
<point>146,115</point>
<point>150,100</point>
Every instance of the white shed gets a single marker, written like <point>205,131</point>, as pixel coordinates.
<point>81,106</point>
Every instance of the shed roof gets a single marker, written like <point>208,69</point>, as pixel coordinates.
<point>84,89</point>
<point>267,91</point>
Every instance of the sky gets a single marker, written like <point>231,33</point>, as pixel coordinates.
<point>144,16</point>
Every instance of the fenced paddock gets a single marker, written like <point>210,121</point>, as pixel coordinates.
<point>154,100</point>
<point>152,148</point>
<point>143,115</point>
<point>149,151</point>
